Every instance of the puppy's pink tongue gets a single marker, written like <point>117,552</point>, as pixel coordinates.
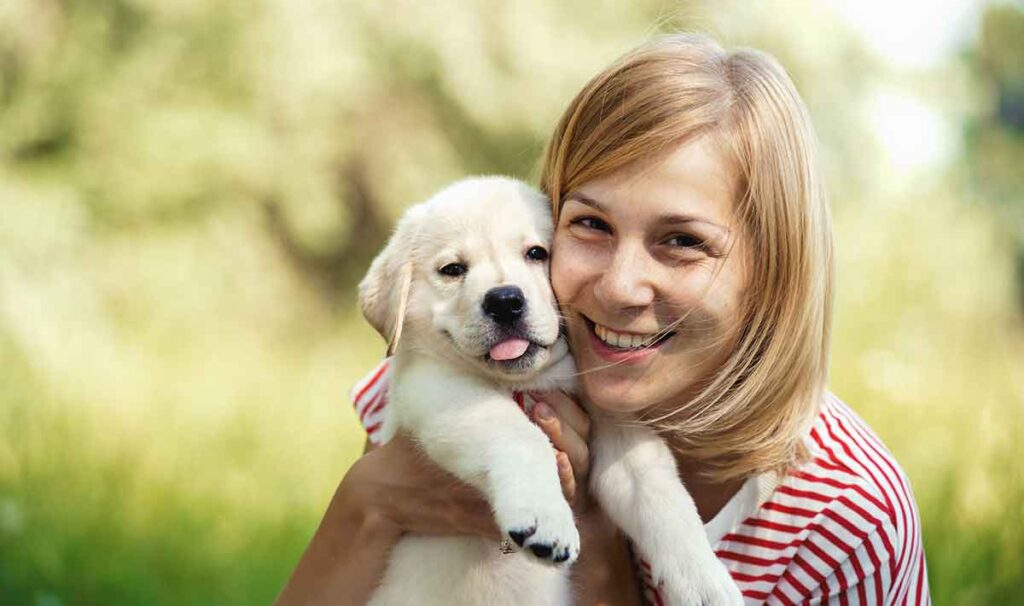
<point>509,350</point>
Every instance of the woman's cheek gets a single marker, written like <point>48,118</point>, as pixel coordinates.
<point>724,294</point>
<point>568,268</point>
<point>710,325</point>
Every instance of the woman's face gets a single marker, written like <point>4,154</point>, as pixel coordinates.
<point>644,250</point>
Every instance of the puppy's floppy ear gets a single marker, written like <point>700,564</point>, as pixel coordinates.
<point>384,291</point>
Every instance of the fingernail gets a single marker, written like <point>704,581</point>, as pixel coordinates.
<point>543,411</point>
<point>563,461</point>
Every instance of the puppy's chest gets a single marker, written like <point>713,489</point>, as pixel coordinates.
<point>409,410</point>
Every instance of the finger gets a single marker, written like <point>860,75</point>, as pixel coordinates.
<point>566,476</point>
<point>563,438</point>
<point>568,410</point>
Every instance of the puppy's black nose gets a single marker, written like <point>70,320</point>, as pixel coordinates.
<point>505,304</point>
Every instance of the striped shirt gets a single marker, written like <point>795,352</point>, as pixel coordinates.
<point>841,528</point>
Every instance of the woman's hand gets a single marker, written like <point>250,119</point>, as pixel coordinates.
<point>400,486</point>
<point>567,425</point>
<point>604,574</point>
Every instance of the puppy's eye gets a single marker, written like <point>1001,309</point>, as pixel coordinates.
<point>453,270</point>
<point>537,253</point>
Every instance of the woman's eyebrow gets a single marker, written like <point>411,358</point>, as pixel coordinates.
<point>683,219</point>
<point>586,200</point>
<point>670,219</point>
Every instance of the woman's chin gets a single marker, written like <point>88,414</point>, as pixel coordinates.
<point>615,396</point>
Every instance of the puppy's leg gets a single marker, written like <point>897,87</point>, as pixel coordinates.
<point>634,477</point>
<point>479,434</point>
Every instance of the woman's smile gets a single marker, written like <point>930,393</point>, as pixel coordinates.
<point>625,347</point>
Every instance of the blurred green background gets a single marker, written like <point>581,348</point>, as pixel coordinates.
<point>189,190</point>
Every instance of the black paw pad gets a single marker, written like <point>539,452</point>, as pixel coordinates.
<point>541,550</point>
<point>563,556</point>
<point>520,536</point>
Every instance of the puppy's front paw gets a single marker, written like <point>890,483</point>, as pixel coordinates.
<point>545,530</point>
<point>703,581</point>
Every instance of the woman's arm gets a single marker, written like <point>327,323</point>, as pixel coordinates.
<point>394,489</point>
<point>390,491</point>
<point>604,575</point>
<point>347,556</point>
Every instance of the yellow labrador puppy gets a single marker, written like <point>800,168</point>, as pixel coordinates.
<point>462,294</point>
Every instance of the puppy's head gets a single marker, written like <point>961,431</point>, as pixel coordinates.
<point>465,278</point>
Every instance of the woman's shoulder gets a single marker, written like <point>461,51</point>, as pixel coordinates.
<point>842,521</point>
<point>851,467</point>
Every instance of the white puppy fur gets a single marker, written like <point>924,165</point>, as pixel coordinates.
<point>463,273</point>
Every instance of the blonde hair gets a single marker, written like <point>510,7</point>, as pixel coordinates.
<point>754,413</point>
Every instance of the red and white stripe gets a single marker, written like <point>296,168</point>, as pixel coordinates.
<point>370,396</point>
<point>842,528</point>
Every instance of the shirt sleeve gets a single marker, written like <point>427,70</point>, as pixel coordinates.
<point>370,397</point>
<point>870,576</point>
<point>865,577</point>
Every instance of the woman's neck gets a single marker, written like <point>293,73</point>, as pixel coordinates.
<point>710,497</point>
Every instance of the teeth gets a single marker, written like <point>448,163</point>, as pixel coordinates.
<point>621,340</point>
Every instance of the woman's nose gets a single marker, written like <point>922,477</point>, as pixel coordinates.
<point>627,281</point>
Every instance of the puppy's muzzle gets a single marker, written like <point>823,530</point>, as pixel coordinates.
<point>505,305</point>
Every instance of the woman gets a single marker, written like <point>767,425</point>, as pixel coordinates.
<point>688,205</point>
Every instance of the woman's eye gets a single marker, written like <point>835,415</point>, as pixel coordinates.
<point>687,241</point>
<point>592,223</point>
<point>453,270</point>
<point>537,253</point>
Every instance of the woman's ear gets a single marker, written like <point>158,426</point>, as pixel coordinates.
<point>384,291</point>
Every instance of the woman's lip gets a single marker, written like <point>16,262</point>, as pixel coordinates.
<point>591,324</point>
<point>618,356</point>
<point>660,335</point>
